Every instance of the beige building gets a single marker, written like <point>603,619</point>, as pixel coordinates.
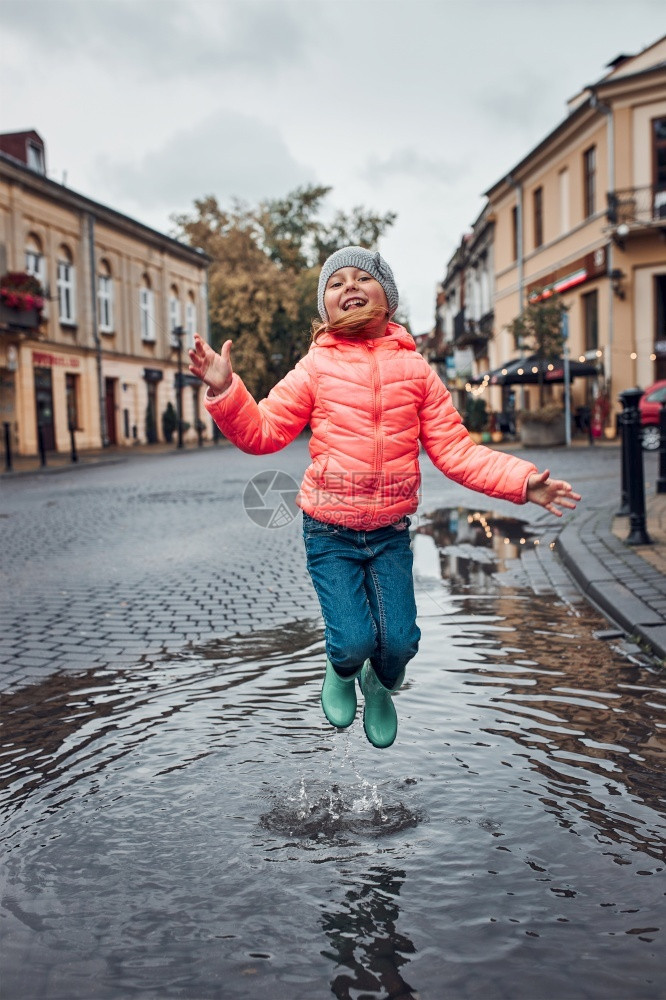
<point>584,213</point>
<point>464,318</point>
<point>101,357</point>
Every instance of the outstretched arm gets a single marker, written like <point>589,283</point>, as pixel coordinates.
<point>551,493</point>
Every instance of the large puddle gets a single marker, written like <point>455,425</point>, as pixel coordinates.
<point>191,827</point>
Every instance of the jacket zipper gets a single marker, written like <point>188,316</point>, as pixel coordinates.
<point>378,450</point>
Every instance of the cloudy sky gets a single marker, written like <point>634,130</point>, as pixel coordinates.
<point>412,106</point>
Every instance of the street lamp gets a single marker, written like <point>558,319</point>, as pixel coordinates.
<point>178,332</point>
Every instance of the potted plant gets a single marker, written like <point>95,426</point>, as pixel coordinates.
<point>151,429</point>
<point>169,422</point>
<point>21,299</point>
<point>539,328</point>
<point>542,427</point>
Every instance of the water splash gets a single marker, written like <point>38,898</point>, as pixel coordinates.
<point>330,812</point>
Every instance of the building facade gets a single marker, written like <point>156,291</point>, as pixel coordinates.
<point>584,214</point>
<point>107,351</point>
<point>464,317</point>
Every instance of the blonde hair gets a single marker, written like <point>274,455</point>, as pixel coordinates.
<point>360,323</point>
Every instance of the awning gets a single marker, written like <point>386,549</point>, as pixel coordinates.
<point>525,371</point>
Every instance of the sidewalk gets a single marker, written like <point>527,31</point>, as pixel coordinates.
<point>626,582</point>
<point>62,461</point>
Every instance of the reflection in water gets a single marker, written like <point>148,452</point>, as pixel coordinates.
<point>365,941</point>
<point>473,545</point>
<point>191,828</point>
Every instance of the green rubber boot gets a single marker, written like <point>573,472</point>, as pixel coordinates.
<point>338,697</point>
<point>380,719</point>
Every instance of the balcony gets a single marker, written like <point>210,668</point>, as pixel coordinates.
<point>636,208</point>
<point>472,332</point>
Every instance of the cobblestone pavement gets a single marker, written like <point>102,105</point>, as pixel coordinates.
<point>122,561</point>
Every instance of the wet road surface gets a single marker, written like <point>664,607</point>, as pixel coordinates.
<point>181,821</point>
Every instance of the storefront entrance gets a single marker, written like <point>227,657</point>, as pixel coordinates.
<point>110,401</point>
<point>44,406</point>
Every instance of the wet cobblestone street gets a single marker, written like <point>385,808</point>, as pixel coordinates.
<point>178,820</point>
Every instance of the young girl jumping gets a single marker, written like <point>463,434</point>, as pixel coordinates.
<point>370,400</point>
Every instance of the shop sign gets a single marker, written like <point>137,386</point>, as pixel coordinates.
<point>42,359</point>
<point>592,265</point>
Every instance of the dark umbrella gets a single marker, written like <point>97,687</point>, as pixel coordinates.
<point>529,371</point>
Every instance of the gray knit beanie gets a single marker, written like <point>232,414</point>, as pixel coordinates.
<point>366,260</point>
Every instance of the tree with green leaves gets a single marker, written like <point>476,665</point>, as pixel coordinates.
<point>539,330</point>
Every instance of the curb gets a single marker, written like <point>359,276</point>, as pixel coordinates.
<point>600,585</point>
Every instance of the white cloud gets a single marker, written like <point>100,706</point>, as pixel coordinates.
<point>407,163</point>
<point>411,106</point>
<point>176,38</point>
<point>227,154</point>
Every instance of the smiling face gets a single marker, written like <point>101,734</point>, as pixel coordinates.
<point>350,289</point>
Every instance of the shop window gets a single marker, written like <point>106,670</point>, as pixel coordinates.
<point>590,181</point>
<point>105,298</point>
<point>66,287</point>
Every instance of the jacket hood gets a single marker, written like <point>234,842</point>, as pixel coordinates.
<point>395,336</point>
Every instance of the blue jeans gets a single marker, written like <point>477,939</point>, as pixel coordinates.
<point>365,587</point>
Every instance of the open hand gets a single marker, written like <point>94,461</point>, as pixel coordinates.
<point>212,368</point>
<point>551,493</point>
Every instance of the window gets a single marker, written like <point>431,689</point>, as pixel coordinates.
<point>190,321</point>
<point>659,153</point>
<point>66,304</point>
<point>72,398</point>
<point>538,217</point>
<point>147,311</point>
<point>486,303</point>
<point>35,158</point>
<point>591,320</point>
<point>514,231</point>
<point>564,200</point>
<point>105,298</point>
<point>174,314</point>
<point>659,167</point>
<point>590,181</point>
<point>34,259</point>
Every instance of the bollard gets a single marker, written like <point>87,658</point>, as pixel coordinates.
<point>631,430</point>
<point>72,439</point>
<point>40,444</point>
<point>624,495</point>
<point>661,480</point>
<point>8,447</point>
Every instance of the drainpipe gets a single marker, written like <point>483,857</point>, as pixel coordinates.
<point>95,330</point>
<point>607,110</point>
<point>518,187</point>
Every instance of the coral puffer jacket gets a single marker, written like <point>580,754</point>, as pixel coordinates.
<point>369,403</point>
